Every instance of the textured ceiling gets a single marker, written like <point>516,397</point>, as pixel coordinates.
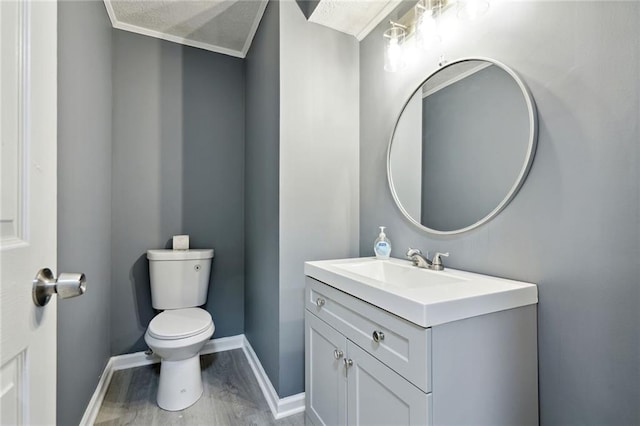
<point>228,26</point>
<point>223,26</point>
<point>355,17</point>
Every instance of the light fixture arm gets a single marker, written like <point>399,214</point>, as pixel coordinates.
<point>395,24</point>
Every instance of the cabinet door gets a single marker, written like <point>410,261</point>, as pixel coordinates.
<point>325,378</point>
<point>378,395</point>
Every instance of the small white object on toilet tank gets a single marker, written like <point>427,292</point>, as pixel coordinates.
<point>181,242</point>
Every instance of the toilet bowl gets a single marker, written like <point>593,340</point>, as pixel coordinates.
<point>177,336</point>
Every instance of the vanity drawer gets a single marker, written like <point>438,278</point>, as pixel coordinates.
<point>405,347</point>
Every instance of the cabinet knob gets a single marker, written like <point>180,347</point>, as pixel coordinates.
<point>337,354</point>
<point>378,336</point>
<point>348,362</point>
<point>320,302</point>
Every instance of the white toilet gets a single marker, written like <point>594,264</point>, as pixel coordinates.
<point>179,284</point>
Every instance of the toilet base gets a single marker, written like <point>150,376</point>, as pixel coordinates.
<point>180,383</point>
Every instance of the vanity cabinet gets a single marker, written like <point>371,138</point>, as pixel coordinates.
<point>346,385</point>
<point>366,366</point>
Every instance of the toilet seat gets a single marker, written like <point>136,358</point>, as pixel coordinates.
<point>179,323</point>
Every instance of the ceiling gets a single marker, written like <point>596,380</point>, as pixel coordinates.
<point>355,17</point>
<point>222,26</point>
<point>228,26</point>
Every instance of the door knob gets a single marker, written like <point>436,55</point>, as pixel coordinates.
<point>67,285</point>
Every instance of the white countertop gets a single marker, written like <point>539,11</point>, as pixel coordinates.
<point>424,297</point>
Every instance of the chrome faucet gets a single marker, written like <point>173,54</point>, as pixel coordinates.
<point>421,261</point>
<point>418,259</point>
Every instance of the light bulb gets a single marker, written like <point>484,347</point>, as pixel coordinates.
<point>393,49</point>
<point>472,9</point>
<point>427,34</point>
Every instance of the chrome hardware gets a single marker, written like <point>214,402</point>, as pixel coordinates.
<point>347,362</point>
<point>417,258</point>
<point>436,262</point>
<point>66,285</point>
<point>337,354</point>
<point>148,352</point>
<point>378,336</point>
<point>320,302</point>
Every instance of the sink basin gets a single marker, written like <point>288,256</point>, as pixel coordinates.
<point>424,297</point>
<point>401,275</point>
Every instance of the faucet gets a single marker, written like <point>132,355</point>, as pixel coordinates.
<point>421,261</point>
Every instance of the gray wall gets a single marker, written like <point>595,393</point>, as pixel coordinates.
<point>307,6</point>
<point>301,177</point>
<point>178,157</point>
<point>262,162</point>
<point>319,178</point>
<point>573,228</point>
<point>476,135</point>
<point>84,199</point>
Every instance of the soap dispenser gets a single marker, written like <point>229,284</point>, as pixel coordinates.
<point>382,246</point>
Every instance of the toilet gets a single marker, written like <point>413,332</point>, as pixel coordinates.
<point>179,284</point>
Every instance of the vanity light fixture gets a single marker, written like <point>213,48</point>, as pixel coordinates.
<point>394,39</point>
<point>425,24</point>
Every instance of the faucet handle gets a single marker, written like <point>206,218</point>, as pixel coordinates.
<point>437,262</point>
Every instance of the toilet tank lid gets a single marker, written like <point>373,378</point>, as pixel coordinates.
<point>191,254</point>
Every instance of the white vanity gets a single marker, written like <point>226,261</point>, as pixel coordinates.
<point>387,343</point>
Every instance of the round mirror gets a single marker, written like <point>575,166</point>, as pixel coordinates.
<point>462,146</point>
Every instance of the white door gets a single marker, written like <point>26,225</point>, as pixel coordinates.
<point>377,395</point>
<point>28,38</point>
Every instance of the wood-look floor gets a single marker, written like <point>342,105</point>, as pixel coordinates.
<point>231,397</point>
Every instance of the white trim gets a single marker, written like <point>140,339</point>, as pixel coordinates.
<point>386,10</point>
<point>223,344</point>
<point>456,78</point>
<point>290,405</point>
<point>254,28</point>
<point>110,12</point>
<point>95,402</point>
<point>136,359</point>
<point>280,407</point>
<point>180,40</point>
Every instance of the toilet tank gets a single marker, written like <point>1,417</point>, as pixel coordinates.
<point>179,278</point>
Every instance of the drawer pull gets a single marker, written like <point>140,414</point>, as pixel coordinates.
<point>337,354</point>
<point>378,336</point>
<point>320,302</point>
<point>347,363</point>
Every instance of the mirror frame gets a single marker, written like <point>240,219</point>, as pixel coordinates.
<point>524,171</point>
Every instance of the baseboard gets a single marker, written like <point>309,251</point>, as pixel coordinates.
<point>223,344</point>
<point>95,402</point>
<point>280,407</point>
